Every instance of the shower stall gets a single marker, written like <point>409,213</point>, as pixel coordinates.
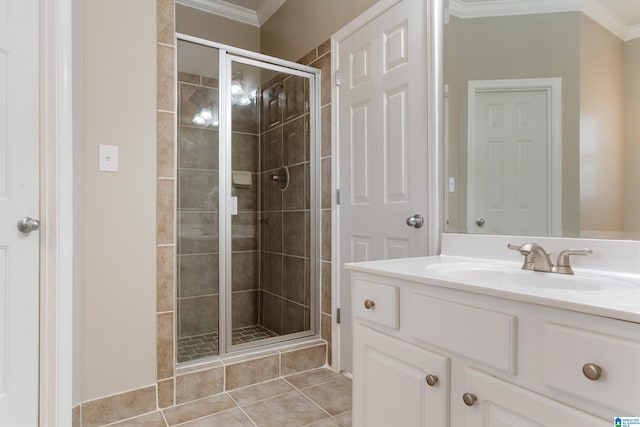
<point>247,230</point>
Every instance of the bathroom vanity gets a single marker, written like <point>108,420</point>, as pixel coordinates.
<point>459,341</point>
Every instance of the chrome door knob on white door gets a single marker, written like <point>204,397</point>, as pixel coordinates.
<point>416,221</point>
<point>27,224</point>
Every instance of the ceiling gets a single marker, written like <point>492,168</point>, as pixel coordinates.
<point>621,17</point>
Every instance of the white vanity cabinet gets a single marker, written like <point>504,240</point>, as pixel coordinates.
<point>499,362</point>
<point>395,383</point>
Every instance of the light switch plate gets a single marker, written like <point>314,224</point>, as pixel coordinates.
<point>108,158</point>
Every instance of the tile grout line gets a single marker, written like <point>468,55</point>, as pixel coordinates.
<point>166,422</point>
<point>128,418</point>
<point>314,402</point>
<point>242,409</point>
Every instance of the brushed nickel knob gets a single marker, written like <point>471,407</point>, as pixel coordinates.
<point>369,304</point>
<point>27,224</point>
<point>416,221</point>
<point>480,222</point>
<point>592,371</point>
<point>432,380</point>
<point>469,399</point>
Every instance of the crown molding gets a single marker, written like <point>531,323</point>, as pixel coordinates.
<point>267,9</point>
<point>237,13</point>
<point>633,33</point>
<point>595,9</point>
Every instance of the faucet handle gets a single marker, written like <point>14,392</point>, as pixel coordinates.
<point>524,249</point>
<point>563,264</point>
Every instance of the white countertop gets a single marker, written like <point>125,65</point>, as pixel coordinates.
<point>614,295</point>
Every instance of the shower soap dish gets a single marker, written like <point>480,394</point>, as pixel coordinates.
<point>241,179</point>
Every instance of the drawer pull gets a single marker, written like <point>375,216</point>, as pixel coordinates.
<point>592,371</point>
<point>368,304</point>
<point>469,399</point>
<point>432,380</point>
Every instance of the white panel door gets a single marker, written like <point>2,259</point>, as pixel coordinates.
<point>19,259</point>
<point>382,142</point>
<point>508,181</point>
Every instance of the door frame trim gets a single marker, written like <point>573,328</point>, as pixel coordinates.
<point>553,87</point>
<point>59,145</point>
<point>434,138</point>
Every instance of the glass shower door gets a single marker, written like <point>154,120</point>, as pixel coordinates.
<point>197,202</point>
<point>269,184</point>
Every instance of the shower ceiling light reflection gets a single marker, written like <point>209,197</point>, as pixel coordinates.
<point>207,116</point>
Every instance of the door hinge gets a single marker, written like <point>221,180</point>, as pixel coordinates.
<point>337,77</point>
<point>338,316</point>
<point>337,196</point>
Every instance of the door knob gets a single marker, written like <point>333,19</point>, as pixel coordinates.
<point>27,224</point>
<point>416,221</point>
<point>480,222</point>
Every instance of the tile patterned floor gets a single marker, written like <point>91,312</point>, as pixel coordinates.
<point>318,398</point>
<point>199,346</point>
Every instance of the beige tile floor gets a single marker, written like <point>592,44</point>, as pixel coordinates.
<point>318,398</point>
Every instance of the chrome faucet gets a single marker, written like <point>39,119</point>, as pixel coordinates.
<point>563,265</point>
<point>535,257</point>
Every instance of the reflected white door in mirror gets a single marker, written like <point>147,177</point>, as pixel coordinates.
<point>593,47</point>
<point>514,175</point>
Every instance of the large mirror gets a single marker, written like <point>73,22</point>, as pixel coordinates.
<point>542,117</point>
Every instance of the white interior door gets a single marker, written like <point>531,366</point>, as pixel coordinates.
<point>382,139</point>
<point>509,170</point>
<point>19,176</point>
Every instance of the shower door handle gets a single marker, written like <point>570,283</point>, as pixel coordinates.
<point>233,205</point>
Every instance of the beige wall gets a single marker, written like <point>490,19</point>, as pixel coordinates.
<point>632,147</point>
<point>119,233</point>
<point>601,128</point>
<point>301,25</point>
<point>218,29</point>
<point>514,47</point>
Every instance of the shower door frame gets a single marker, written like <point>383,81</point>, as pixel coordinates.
<point>226,56</point>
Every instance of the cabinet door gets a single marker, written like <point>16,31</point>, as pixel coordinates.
<point>389,383</point>
<point>500,404</point>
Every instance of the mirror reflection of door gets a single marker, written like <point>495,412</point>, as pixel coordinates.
<point>510,175</point>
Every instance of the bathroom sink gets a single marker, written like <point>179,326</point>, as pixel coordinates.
<point>503,275</point>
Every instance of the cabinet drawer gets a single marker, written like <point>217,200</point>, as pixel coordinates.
<point>567,350</point>
<point>376,302</point>
<point>479,334</point>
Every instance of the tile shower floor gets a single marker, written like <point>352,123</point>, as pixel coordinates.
<point>199,346</point>
<point>318,398</point>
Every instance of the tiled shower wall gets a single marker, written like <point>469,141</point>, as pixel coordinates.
<point>285,250</point>
<point>320,58</point>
